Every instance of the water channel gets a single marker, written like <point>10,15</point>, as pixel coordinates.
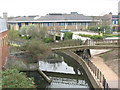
<point>64,72</point>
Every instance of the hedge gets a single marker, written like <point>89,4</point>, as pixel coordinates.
<point>91,36</point>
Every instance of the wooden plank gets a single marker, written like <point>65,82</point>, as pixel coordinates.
<point>44,76</point>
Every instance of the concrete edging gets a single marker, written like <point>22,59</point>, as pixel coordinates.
<point>90,75</point>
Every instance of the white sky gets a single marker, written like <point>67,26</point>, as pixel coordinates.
<point>43,7</point>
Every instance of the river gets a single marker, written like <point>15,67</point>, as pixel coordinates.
<point>64,72</point>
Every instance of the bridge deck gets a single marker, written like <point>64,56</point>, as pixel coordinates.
<point>88,47</point>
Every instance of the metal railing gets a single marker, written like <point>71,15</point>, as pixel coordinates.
<point>103,42</point>
<point>98,75</point>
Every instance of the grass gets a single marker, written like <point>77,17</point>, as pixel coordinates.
<point>110,55</point>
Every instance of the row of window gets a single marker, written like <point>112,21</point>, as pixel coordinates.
<point>3,41</point>
<point>63,24</point>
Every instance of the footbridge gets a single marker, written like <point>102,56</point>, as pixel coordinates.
<point>94,44</point>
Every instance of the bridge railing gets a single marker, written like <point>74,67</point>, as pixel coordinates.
<point>66,43</point>
<point>98,75</point>
<point>103,42</point>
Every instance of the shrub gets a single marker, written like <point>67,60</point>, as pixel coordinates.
<point>37,49</point>
<point>96,37</point>
<point>48,40</point>
<point>13,34</point>
<point>91,36</point>
<point>68,35</point>
<point>12,78</point>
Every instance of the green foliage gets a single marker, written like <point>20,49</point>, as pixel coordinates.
<point>48,40</point>
<point>95,28</point>
<point>12,78</point>
<point>91,36</point>
<point>13,34</point>
<point>96,37</point>
<point>37,49</point>
<point>34,31</point>
<point>68,35</point>
<point>110,35</point>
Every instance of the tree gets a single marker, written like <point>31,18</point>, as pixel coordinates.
<point>35,31</point>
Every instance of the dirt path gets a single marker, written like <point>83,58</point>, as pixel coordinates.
<point>111,77</point>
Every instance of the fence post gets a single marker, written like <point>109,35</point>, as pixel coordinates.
<point>104,81</point>
<point>100,76</point>
<point>95,70</point>
<point>107,86</point>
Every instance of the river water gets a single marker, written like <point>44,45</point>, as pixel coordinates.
<point>64,72</point>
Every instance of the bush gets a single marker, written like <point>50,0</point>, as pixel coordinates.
<point>68,35</point>
<point>13,34</point>
<point>48,40</point>
<point>96,37</point>
<point>110,35</point>
<point>91,36</point>
<point>12,78</point>
<point>37,49</point>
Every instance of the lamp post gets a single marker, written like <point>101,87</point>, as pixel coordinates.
<point>98,30</point>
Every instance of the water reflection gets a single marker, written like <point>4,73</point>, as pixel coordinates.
<point>64,72</point>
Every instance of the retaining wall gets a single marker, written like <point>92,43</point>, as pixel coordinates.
<point>90,75</point>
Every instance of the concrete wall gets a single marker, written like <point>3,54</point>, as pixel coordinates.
<point>90,75</point>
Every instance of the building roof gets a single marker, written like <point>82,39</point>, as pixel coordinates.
<point>65,17</point>
<point>3,26</point>
<point>23,18</point>
<point>105,17</point>
<point>53,17</point>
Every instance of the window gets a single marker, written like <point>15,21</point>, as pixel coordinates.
<point>47,24</point>
<point>81,24</point>
<point>59,24</point>
<point>62,24</point>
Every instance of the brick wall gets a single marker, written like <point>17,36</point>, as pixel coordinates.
<point>3,48</point>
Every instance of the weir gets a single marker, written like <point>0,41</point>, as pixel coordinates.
<point>65,73</point>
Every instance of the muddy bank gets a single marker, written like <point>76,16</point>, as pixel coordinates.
<point>112,60</point>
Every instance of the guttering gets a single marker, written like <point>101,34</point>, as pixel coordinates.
<point>45,21</point>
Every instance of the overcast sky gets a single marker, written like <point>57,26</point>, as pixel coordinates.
<point>43,7</point>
